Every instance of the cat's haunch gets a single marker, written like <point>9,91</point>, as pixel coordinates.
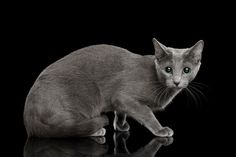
<point>71,96</point>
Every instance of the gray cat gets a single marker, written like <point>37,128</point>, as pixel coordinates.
<point>71,96</point>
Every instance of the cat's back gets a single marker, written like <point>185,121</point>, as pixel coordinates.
<point>102,54</point>
<point>104,48</point>
<point>95,60</point>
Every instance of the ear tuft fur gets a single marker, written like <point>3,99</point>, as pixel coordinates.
<point>159,49</point>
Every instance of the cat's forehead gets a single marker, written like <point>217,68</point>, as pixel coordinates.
<point>176,52</point>
<point>177,55</point>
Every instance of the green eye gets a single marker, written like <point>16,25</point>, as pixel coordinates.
<point>187,70</point>
<point>168,69</point>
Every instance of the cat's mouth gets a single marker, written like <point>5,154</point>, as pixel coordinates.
<point>176,87</point>
<point>173,86</point>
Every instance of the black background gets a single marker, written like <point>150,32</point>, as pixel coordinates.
<point>44,33</point>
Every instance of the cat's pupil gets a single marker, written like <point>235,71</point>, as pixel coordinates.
<point>186,70</point>
<point>168,69</point>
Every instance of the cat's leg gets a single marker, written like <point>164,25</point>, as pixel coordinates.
<point>72,128</point>
<point>142,113</point>
<point>98,131</point>
<point>119,140</point>
<point>120,123</point>
<point>94,126</point>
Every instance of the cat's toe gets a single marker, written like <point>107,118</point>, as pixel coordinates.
<point>124,127</point>
<point>165,132</point>
<point>100,132</point>
<point>167,141</point>
<point>99,140</point>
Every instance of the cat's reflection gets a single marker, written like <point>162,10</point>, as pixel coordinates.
<point>91,147</point>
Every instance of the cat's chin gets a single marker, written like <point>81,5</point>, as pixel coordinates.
<point>177,88</point>
<point>173,87</point>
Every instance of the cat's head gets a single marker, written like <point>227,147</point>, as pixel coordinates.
<point>176,68</point>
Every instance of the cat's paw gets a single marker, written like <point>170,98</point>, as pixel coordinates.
<point>120,127</point>
<point>165,141</point>
<point>99,140</point>
<point>100,132</point>
<point>165,132</point>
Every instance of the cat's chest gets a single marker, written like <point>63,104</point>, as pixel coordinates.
<point>154,96</point>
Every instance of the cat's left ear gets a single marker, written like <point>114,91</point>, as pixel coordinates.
<point>160,49</point>
<point>196,51</point>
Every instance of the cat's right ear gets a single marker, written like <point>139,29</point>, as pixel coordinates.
<point>160,49</point>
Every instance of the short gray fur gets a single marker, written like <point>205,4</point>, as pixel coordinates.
<point>71,96</point>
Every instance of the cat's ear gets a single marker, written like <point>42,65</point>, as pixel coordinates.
<point>196,51</point>
<point>160,49</point>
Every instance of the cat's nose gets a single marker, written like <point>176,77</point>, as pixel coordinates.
<point>176,83</point>
<point>177,80</point>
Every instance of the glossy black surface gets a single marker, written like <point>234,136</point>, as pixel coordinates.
<point>195,133</point>
<point>91,147</point>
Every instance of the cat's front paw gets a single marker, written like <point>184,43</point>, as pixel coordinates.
<point>120,127</point>
<point>165,141</point>
<point>165,132</point>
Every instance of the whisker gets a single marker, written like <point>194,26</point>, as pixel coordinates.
<point>166,94</point>
<point>199,91</point>
<point>155,90</point>
<point>160,96</point>
<point>157,97</point>
<point>187,95</point>
<point>157,94</point>
<point>199,100</point>
<point>192,95</point>
<point>199,84</point>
